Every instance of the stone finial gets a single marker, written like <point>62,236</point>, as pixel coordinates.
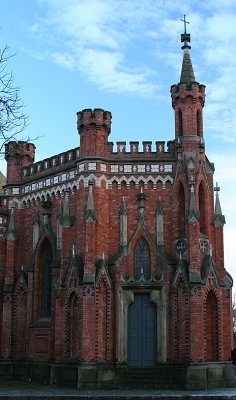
<point>123,223</point>
<point>66,219</point>
<point>46,211</point>
<point>219,218</point>
<point>193,212</point>
<point>159,222</point>
<point>159,209</point>
<point>11,231</point>
<point>123,210</point>
<point>141,198</point>
<point>90,212</point>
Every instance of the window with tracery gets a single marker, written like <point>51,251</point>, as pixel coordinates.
<point>142,258</point>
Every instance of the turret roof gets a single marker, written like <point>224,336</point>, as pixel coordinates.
<point>187,73</point>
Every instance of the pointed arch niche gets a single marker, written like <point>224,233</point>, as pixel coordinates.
<point>72,327</point>
<point>20,323</point>
<point>104,321</point>
<point>43,280</point>
<point>211,327</point>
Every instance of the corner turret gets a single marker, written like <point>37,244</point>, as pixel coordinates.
<point>188,97</point>
<point>94,127</point>
<point>18,155</point>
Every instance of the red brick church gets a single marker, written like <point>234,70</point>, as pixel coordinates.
<point>112,260</point>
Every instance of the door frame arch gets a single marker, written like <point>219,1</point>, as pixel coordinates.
<point>125,298</point>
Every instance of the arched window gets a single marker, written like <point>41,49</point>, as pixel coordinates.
<point>199,123</point>
<point>142,258</point>
<point>46,281</point>
<point>180,123</point>
<point>202,208</point>
<point>181,210</point>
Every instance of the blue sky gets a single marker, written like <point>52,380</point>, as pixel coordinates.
<point>123,56</point>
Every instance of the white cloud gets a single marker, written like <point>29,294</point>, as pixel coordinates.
<point>102,39</point>
<point>64,60</point>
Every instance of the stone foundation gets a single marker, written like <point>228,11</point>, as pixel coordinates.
<point>118,376</point>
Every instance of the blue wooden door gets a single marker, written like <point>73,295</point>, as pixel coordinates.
<point>142,332</point>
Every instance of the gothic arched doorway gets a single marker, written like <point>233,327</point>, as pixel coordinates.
<point>142,332</point>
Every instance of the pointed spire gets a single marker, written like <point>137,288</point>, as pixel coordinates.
<point>159,209</point>
<point>123,210</point>
<point>90,212</point>
<point>193,213</point>
<point>159,222</point>
<point>66,220</point>
<point>219,218</point>
<point>141,198</point>
<point>36,217</point>
<point>123,223</point>
<point>187,73</point>
<point>11,232</point>
<point>35,228</point>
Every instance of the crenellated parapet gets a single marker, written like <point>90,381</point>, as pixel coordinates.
<point>51,164</point>
<point>183,90</point>
<point>98,117</point>
<point>18,155</point>
<point>94,126</point>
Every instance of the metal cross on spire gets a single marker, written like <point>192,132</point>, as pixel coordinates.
<point>185,22</point>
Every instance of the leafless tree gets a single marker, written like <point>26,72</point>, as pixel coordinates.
<point>13,119</point>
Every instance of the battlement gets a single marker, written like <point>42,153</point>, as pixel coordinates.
<point>18,155</point>
<point>186,89</point>
<point>121,150</point>
<point>148,149</point>
<point>20,150</point>
<point>49,165</point>
<point>98,117</point>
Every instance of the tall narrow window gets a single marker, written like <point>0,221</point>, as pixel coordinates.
<point>142,258</point>
<point>199,123</point>
<point>180,123</point>
<point>202,208</point>
<point>46,286</point>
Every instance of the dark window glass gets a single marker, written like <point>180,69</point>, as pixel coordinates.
<point>142,259</point>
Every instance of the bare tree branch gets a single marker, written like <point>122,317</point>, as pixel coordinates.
<point>13,119</point>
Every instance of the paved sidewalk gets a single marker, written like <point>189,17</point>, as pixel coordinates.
<point>23,390</point>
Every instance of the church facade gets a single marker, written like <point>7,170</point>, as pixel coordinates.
<point>113,261</point>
